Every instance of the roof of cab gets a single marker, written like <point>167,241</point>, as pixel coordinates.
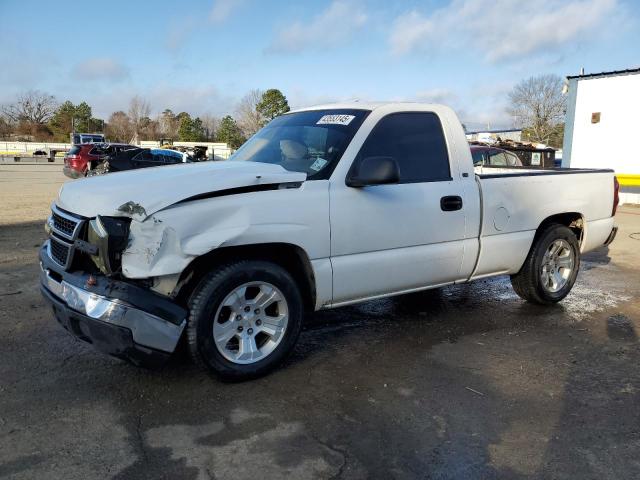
<point>355,105</point>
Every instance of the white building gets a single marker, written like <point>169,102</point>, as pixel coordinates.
<point>602,126</point>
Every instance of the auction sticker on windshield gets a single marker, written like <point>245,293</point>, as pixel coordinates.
<point>335,120</point>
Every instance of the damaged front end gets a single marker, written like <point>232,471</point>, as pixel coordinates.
<point>116,252</point>
<point>80,265</point>
<point>107,239</point>
<point>73,240</point>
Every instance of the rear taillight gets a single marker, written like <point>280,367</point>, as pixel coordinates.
<point>616,195</point>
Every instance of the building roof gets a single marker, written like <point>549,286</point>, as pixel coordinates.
<point>613,73</point>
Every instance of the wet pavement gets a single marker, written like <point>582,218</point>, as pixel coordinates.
<point>462,382</point>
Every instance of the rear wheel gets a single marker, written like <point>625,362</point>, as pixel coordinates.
<point>551,268</point>
<point>245,318</point>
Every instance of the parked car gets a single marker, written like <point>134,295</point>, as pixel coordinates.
<point>82,158</point>
<point>140,158</point>
<point>197,153</point>
<point>492,156</point>
<point>324,207</point>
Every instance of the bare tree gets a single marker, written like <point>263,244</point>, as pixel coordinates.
<point>210,126</point>
<point>150,129</point>
<point>119,127</point>
<point>32,107</point>
<point>139,110</point>
<point>249,119</point>
<point>538,105</point>
<point>168,124</point>
<point>6,127</point>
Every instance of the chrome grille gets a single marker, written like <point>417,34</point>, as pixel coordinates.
<point>63,225</point>
<point>59,252</point>
<point>65,230</point>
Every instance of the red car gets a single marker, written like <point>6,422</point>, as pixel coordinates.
<point>84,157</point>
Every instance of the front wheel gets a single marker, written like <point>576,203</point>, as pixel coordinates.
<point>245,318</point>
<point>551,268</point>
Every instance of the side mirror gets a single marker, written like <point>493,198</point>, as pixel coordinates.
<point>374,171</point>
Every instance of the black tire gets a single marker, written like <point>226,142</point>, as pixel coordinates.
<point>528,283</point>
<point>206,300</point>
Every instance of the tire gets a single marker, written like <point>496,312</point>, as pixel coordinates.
<point>254,336</point>
<point>551,268</point>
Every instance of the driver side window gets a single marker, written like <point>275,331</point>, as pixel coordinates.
<point>416,141</point>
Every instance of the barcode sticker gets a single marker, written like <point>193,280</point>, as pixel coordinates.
<point>335,120</point>
<point>318,164</point>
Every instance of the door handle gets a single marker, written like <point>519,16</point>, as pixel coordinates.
<point>451,203</point>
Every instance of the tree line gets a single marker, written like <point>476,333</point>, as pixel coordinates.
<point>536,104</point>
<point>38,116</point>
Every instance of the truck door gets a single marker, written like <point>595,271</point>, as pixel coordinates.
<point>399,237</point>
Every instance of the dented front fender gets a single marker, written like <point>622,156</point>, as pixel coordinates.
<point>167,241</point>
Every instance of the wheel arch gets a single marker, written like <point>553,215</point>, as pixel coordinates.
<point>573,220</point>
<point>292,258</point>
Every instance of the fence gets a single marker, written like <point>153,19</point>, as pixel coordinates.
<point>219,151</point>
<point>11,148</point>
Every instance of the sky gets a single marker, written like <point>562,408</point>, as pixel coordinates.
<point>202,56</point>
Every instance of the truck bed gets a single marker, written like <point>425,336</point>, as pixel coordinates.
<point>514,202</point>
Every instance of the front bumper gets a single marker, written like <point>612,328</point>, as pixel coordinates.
<point>118,318</point>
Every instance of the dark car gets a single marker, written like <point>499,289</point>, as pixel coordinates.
<point>494,157</point>
<point>82,158</point>
<point>140,158</point>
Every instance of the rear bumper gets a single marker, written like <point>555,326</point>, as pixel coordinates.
<point>143,336</point>
<point>612,235</point>
<point>71,172</point>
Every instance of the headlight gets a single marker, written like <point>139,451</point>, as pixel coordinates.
<point>48,226</point>
<point>110,236</point>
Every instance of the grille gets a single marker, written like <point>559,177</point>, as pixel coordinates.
<point>65,229</point>
<point>59,252</point>
<point>64,225</point>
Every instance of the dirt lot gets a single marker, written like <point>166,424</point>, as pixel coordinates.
<point>462,382</point>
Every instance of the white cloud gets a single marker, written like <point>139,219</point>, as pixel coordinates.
<point>436,95</point>
<point>222,9</point>
<point>100,69</point>
<point>181,30</point>
<point>499,29</point>
<point>328,29</point>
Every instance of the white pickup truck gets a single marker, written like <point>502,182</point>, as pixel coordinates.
<point>323,207</point>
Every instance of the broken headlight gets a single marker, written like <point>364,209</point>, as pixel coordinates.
<point>110,235</point>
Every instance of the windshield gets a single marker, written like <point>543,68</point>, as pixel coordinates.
<point>311,142</point>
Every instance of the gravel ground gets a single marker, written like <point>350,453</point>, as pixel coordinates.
<point>462,382</point>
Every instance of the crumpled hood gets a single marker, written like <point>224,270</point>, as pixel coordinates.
<point>140,193</point>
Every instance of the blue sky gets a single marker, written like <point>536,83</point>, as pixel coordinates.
<point>202,56</point>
